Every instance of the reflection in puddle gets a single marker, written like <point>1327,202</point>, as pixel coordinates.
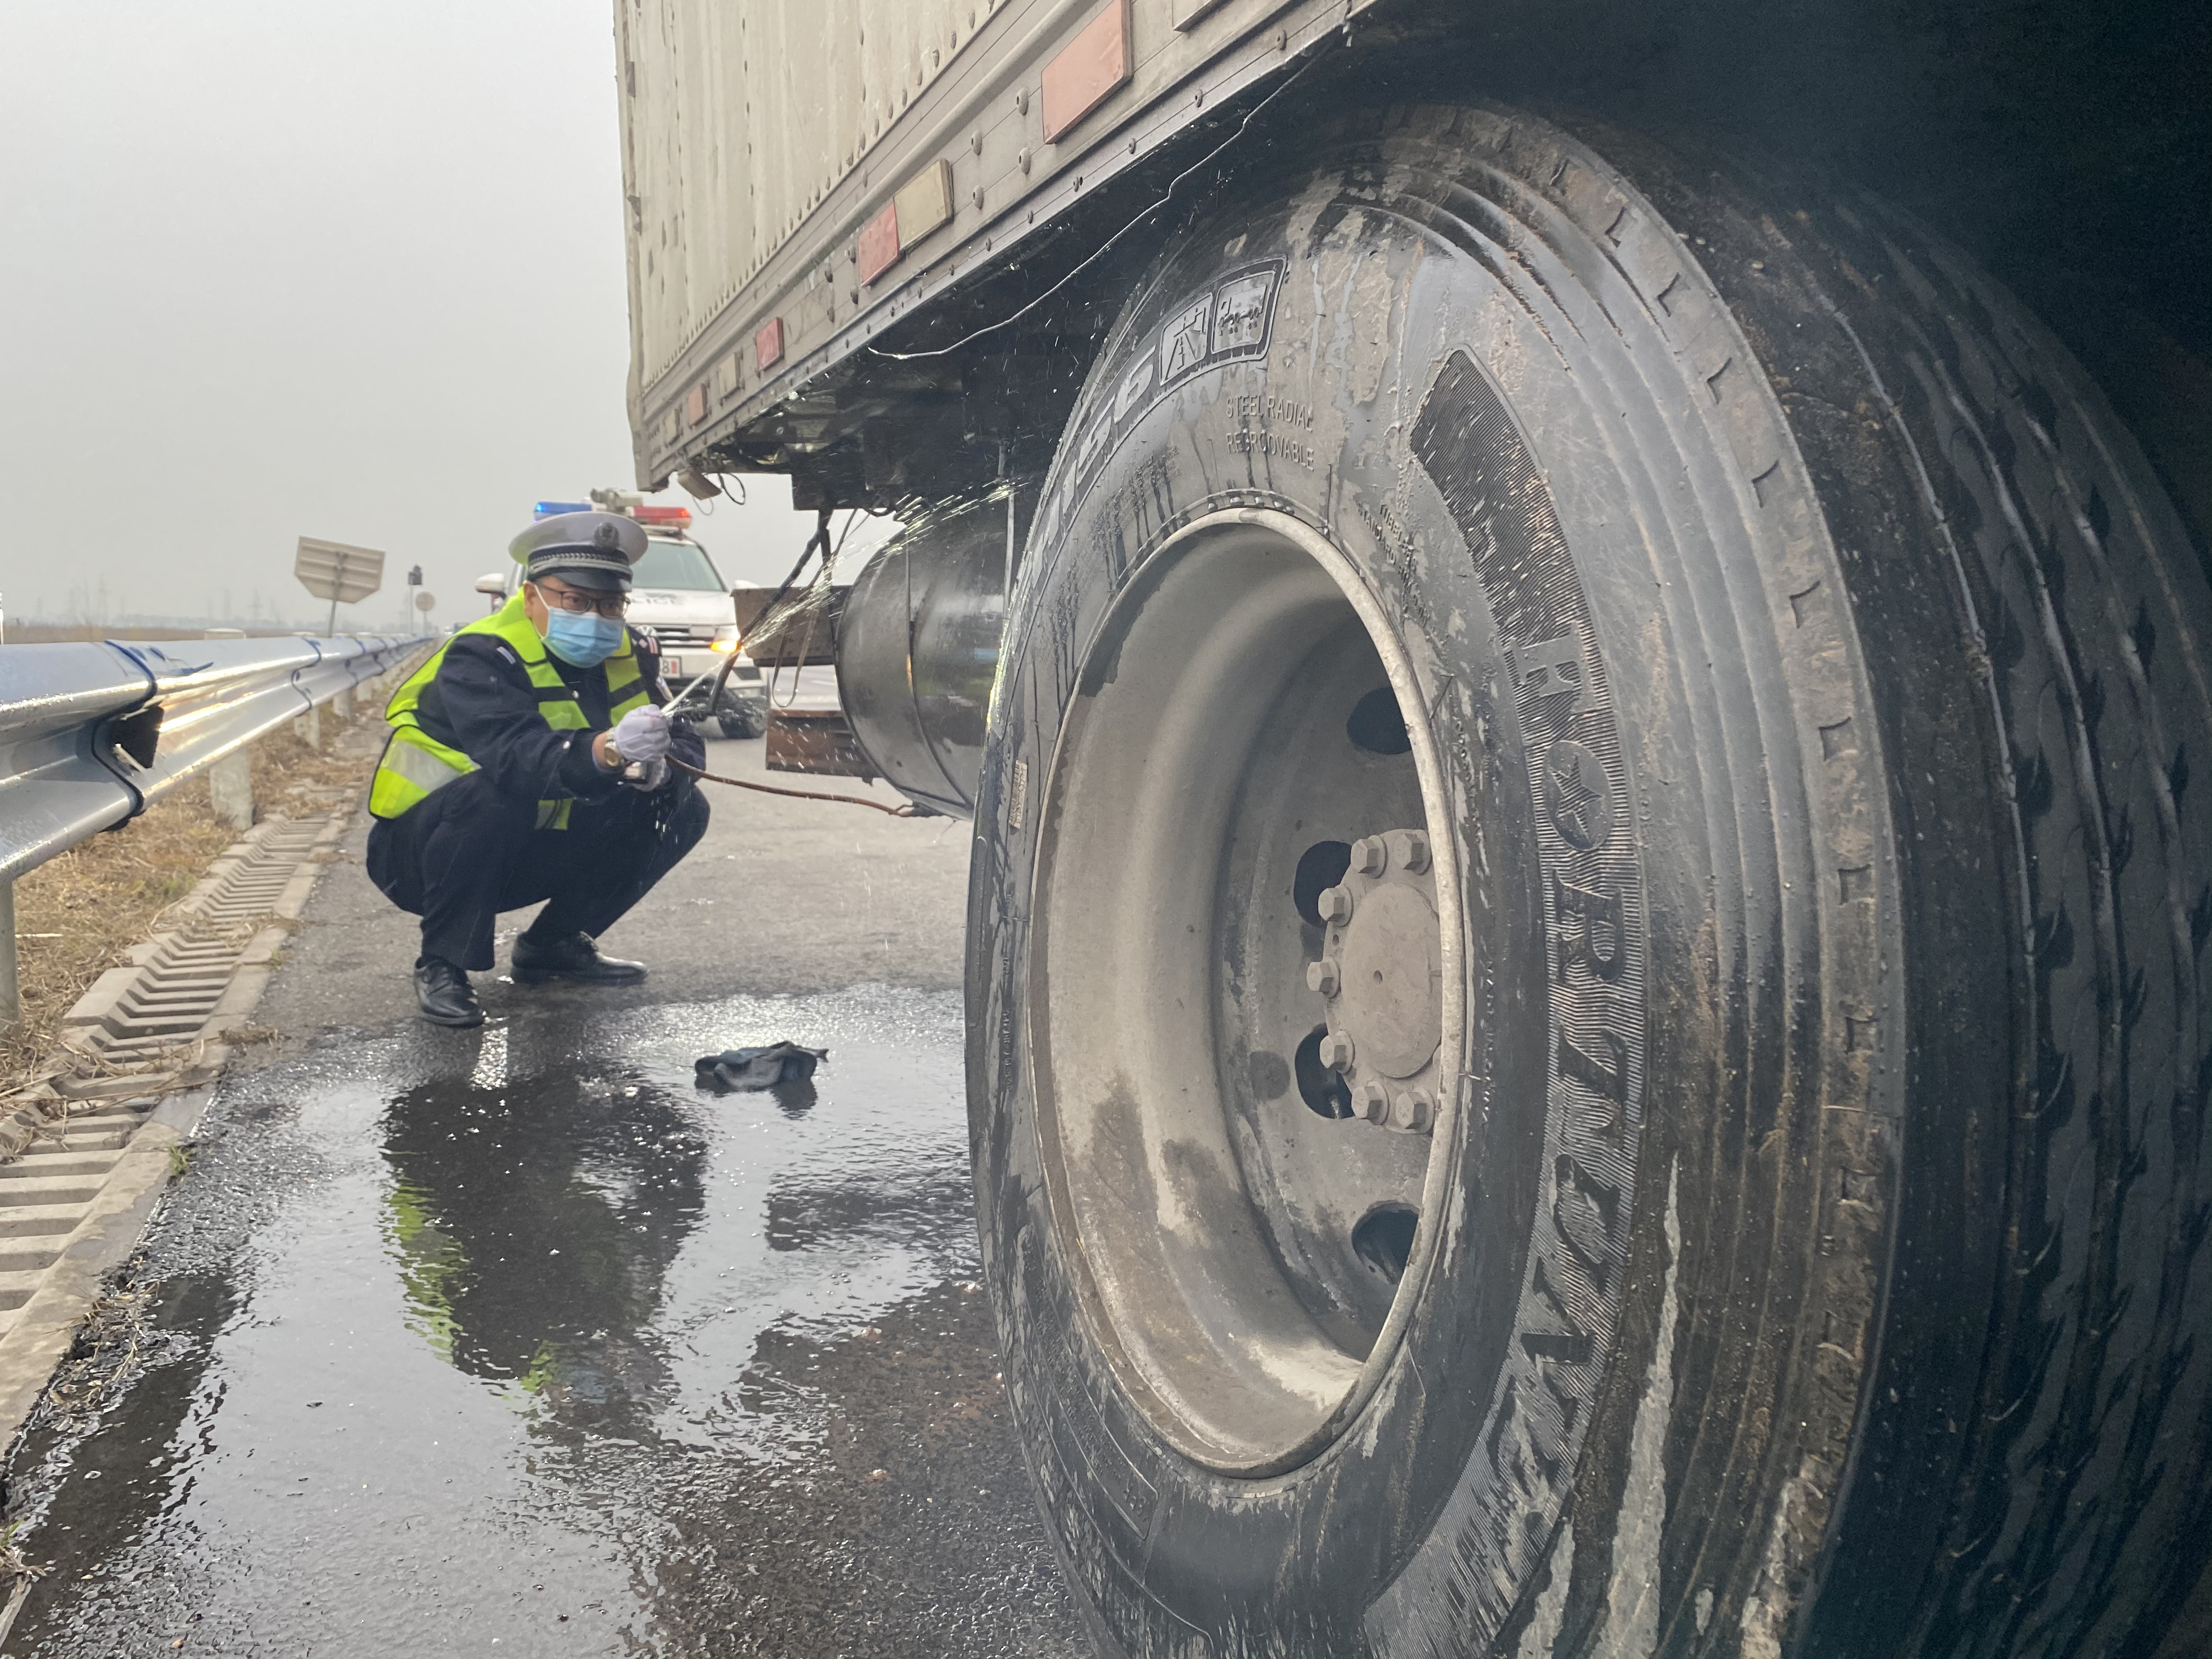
<point>490,1073</point>
<point>794,1099</point>
<point>533,1228</point>
<point>526,1346</point>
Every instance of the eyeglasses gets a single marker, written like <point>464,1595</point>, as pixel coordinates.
<point>577,605</point>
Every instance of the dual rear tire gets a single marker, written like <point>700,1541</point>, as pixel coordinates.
<point>1795,676</point>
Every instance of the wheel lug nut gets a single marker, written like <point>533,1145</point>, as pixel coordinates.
<point>1336,1051</point>
<point>1322,976</point>
<point>1336,905</point>
<point>1370,856</point>
<point>1374,1102</point>
<point>1409,850</point>
<point>1412,1110</point>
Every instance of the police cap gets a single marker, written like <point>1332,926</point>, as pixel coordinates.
<point>586,550</point>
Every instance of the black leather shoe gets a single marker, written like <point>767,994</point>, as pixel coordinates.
<point>571,955</point>
<point>444,994</point>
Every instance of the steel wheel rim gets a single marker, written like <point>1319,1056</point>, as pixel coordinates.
<point>1263,1400</point>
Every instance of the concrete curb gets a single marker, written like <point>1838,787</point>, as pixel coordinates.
<point>44,1331</point>
<point>188,987</point>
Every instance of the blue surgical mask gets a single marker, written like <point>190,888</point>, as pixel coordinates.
<point>586,640</point>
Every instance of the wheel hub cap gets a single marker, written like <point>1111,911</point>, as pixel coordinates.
<point>1382,975</point>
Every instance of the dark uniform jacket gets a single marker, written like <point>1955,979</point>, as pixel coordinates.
<point>483,703</point>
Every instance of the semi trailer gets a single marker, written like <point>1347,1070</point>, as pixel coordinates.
<point>1575,639</point>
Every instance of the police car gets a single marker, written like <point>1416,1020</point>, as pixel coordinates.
<point>677,594</point>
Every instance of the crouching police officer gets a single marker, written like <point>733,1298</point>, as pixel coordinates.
<point>529,761</point>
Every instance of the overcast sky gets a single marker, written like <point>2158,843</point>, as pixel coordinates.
<point>350,268</point>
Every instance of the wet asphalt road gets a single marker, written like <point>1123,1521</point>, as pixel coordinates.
<point>514,1342</point>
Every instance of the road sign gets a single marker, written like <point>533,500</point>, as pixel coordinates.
<point>425,601</point>
<point>333,571</point>
<point>342,574</point>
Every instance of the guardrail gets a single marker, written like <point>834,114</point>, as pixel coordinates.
<point>91,733</point>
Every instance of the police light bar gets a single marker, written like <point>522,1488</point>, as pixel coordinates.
<point>677,517</point>
<point>554,509</point>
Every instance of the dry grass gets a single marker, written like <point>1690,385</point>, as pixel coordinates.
<point>292,781</point>
<point>77,914</point>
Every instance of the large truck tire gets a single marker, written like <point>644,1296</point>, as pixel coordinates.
<point>1586,1004</point>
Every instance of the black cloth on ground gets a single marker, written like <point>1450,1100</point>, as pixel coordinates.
<point>757,1068</point>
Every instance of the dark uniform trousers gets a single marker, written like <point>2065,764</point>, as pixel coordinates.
<point>465,853</point>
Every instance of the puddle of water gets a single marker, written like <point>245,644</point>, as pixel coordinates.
<point>520,1344</point>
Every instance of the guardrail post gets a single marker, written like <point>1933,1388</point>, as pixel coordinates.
<point>11,995</point>
<point>230,789</point>
<point>308,728</point>
<point>342,704</point>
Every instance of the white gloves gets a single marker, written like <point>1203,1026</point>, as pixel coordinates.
<point>641,735</point>
<point>645,775</point>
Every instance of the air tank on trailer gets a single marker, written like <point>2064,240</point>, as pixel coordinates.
<point>918,648</point>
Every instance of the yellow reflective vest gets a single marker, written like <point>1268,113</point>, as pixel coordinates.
<point>415,765</point>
